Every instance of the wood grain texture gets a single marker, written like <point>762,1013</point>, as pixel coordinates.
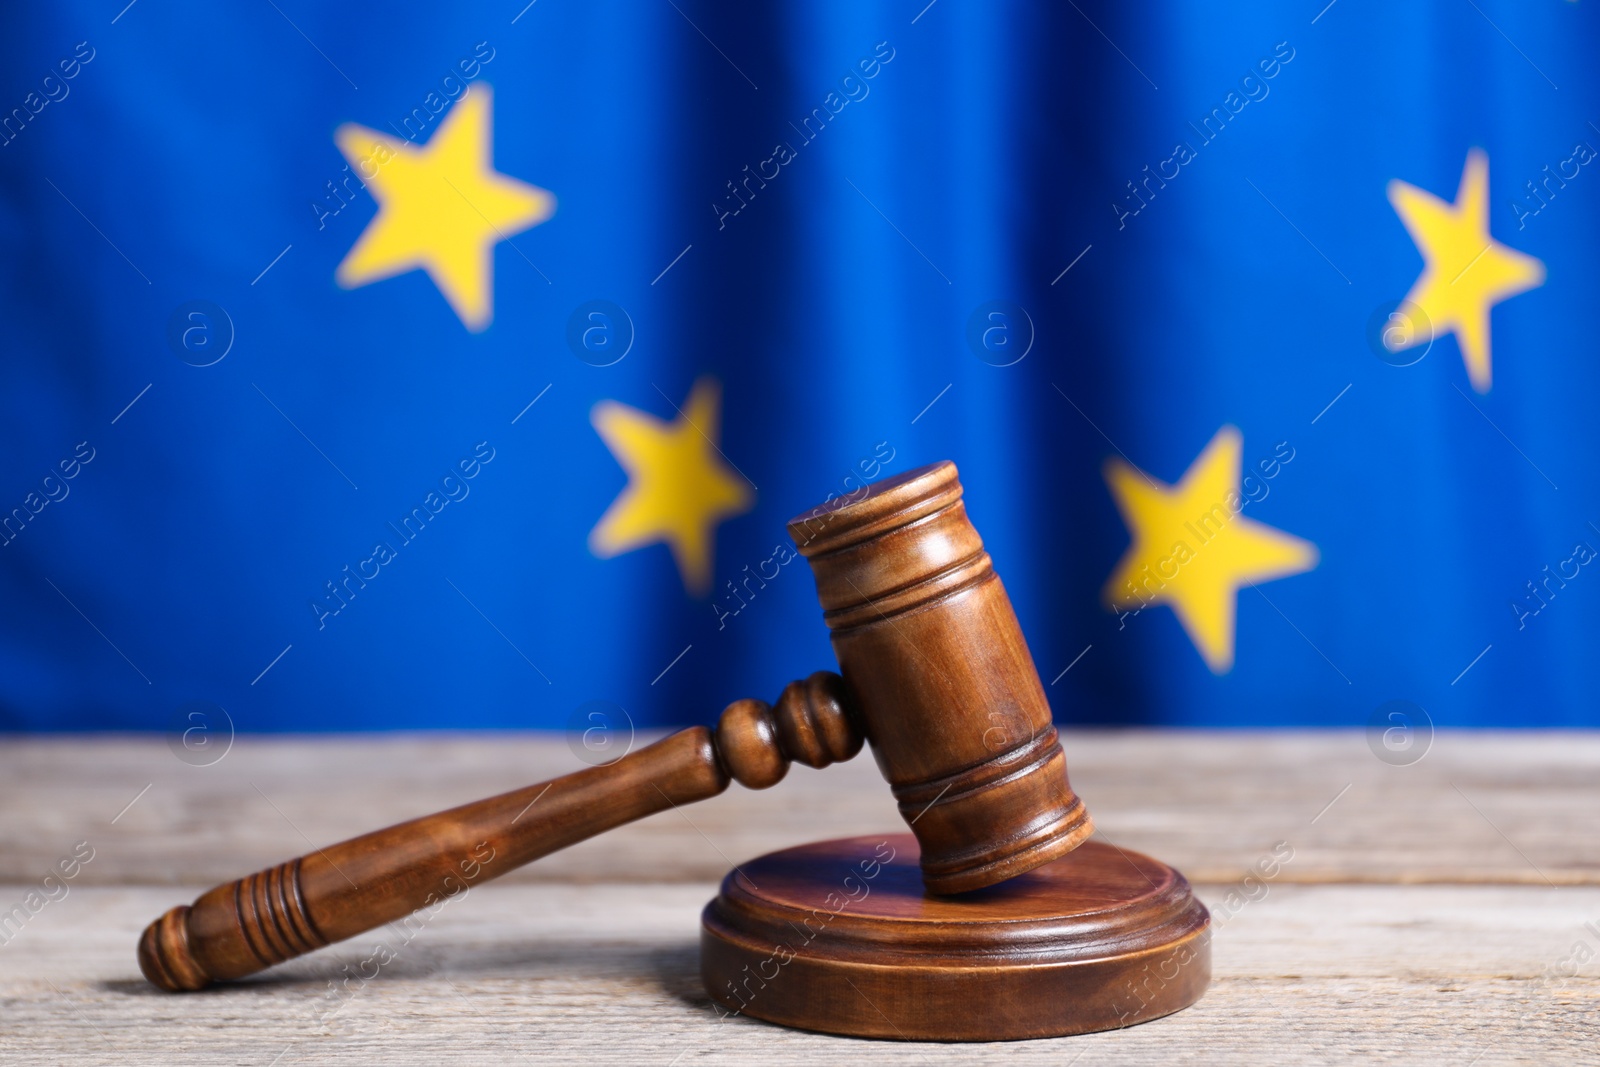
<point>548,968</point>
<point>561,974</point>
<point>1481,807</point>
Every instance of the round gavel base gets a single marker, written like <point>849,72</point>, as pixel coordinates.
<point>841,937</point>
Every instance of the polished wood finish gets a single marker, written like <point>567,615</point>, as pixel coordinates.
<point>841,936</point>
<point>346,889</point>
<point>949,698</point>
<point>1405,929</point>
<point>937,677</point>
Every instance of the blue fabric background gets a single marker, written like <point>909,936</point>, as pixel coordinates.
<point>985,157</point>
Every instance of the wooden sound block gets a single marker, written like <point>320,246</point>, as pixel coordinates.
<point>840,936</point>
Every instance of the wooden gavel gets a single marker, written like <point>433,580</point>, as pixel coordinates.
<point>935,675</point>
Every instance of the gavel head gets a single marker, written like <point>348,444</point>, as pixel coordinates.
<point>943,684</point>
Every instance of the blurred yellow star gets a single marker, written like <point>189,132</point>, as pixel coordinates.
<point>441,207</point>
<point>680,487</point>
<point>1193,550</point>
<point>1466,271</point>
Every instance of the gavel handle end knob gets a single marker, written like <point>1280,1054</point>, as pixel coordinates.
<point>164,954</point>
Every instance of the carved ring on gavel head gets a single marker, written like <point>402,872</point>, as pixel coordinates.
<point>936,676</point>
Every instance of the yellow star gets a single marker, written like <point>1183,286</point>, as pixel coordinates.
<point>1466,273</point>
<point>1193,550</point>
<point>441,207</point>
<point>679,485</point>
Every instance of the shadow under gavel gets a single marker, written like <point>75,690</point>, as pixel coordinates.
<point>935,674</point>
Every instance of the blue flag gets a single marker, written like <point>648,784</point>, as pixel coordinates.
<point>460,366</point>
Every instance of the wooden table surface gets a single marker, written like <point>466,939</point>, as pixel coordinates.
<point>1447,911</point>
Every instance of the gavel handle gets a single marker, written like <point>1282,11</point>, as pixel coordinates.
<point>346,889</point>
